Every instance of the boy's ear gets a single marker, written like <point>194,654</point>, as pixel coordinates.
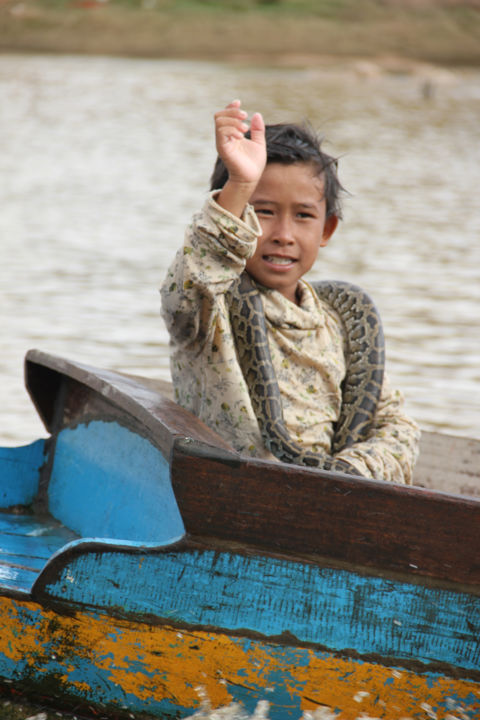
<point>329,228</point>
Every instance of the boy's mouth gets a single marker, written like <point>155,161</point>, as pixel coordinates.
<point>279,259</point>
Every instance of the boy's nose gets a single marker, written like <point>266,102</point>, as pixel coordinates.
<point>283,232</point>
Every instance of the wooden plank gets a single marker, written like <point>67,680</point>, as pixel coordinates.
<point>19,524</point>
<point>292,509</point>
<point>271,596</point>
<point>26,544</point>
<point>449,463</point>
<point>24,554</point>
<point>12,558</point>
<point>121,665</point>
<point>17,578</point>
<point>35,549</point>
<point>16,529</point>
<point>33,526</point>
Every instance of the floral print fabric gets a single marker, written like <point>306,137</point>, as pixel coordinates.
<point>307,345</point>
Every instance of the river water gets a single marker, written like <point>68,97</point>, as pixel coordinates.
<point>104,160</point>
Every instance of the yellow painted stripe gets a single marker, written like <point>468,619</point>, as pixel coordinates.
<point>160,662</point>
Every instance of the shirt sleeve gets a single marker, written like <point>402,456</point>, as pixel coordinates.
<point>216,247</point>
<point>392,448</point>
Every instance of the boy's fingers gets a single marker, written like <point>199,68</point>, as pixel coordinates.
<point>230,113</point>
<point>229,135</point>
<point>230,125</point>
<point>257,128</point>
<point>238,123</point>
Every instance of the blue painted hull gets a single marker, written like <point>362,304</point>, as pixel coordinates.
<point>311,604</point>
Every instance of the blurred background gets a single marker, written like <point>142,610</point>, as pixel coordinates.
<point>106,137</point>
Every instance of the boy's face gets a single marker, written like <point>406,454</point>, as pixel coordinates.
<point>291,210</point>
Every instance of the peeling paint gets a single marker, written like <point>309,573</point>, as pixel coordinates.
<point>97,659</point>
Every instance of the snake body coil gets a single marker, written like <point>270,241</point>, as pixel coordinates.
<point>361,387</point>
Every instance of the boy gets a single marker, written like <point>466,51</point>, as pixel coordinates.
<point>274,204</point>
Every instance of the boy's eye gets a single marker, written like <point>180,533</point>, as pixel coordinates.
<point>263,211</point>
<point>305,215</point>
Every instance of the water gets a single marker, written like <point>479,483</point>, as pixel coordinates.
<point>104,160</point>
<point>235,711</point>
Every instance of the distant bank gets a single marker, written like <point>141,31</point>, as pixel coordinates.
<point>445,32</point>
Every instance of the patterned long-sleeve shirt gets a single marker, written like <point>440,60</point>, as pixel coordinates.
<point>307,345</point>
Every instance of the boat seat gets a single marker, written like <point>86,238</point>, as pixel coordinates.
<point>110,482</point>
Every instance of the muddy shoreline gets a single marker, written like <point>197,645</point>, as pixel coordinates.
<point>446,34</point>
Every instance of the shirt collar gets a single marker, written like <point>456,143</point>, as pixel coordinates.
<point>281,312</point>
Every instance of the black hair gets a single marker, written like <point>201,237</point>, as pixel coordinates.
<point>288,143</point>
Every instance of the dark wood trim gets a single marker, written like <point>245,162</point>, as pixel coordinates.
<point>290,509</point>
<point>66,392</point>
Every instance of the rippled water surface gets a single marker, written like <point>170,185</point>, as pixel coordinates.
<point>103,161</point>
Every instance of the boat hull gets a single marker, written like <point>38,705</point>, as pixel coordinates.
<point>125,667</point>
<point>145,567</point>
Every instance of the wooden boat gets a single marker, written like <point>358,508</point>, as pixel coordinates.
<point>144,564</point>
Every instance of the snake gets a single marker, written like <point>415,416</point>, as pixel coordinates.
<point>361,387</point>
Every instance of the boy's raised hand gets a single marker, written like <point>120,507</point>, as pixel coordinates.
<point>244,158</point>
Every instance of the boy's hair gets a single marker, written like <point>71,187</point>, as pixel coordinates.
<point>288,143</point>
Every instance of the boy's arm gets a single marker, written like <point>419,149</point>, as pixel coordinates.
<point>220,239</point>
<point>244,158</point>
<point>392,448</point>
<point>216,247</point>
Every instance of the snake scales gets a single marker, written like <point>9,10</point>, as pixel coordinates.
<point>361,387</point>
